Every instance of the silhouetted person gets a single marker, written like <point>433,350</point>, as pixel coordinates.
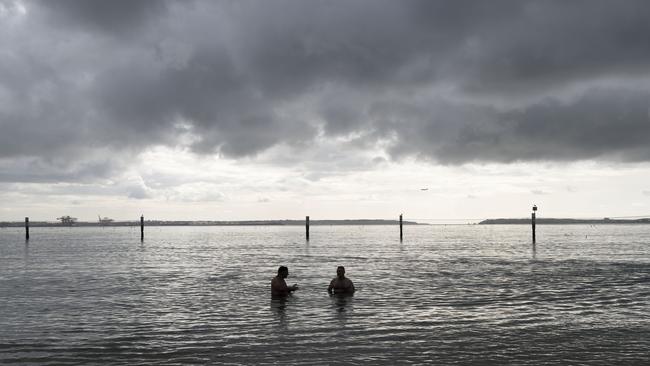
<point>340,284</point>
<point>279,286</point>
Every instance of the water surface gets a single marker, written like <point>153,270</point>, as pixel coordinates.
<point>456,294</point>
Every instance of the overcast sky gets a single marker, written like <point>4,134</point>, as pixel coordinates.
<point>231,110</point>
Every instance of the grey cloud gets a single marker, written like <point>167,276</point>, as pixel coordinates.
<point>601,122</point>
<point>121,17</point>
<point>138,192</point>
<point>416,78</point>
<point>75,190</point>
<point>554,42</point>
<point>194,196</point>
<point>90,169</point>
<point>607,124</point>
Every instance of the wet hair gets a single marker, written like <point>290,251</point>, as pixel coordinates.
<point>282,269</point>
<point>340,267</point>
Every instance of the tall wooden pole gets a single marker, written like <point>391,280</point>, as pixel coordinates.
<point>401,236</point>
<point>142,228</point>
<point>532,221</point>
<point>26,228</point>
<point>307,227</point>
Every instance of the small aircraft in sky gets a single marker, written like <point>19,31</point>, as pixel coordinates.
<point>424,189</point>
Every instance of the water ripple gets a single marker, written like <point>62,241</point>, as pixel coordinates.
<point>447,295</point>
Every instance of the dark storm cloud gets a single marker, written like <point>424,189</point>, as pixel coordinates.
<point>48,170</point>
<point>444,81</point>
<point>114,16</point>
<point>555,42</point>
<point>610,124</point>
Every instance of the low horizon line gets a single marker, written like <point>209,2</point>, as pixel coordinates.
<point>300,222</point>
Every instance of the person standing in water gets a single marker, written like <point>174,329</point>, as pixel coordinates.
<point>340,284</point>
<point>278,284</point>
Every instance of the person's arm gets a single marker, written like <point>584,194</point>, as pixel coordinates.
<point>330,287</point>
<point>352,289</point>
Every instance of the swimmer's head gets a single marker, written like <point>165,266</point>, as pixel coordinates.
<point>340,271</point>
<point>283,271</point>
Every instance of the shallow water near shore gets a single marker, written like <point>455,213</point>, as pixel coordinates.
<point>455,294</point>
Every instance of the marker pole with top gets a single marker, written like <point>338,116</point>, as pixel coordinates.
<point>142,228</point>
<point>27,228</point>
<point>532,220</point>
<point>401,237</point>
<point>307,227</point>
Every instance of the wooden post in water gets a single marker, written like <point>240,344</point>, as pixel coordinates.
<point>26,228</point>
<point>532,220</point>
<point>401,237</point>
<point>142,228</point>
<point>307,227</point>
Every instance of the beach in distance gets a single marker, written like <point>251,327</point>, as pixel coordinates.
<point>456,294</point>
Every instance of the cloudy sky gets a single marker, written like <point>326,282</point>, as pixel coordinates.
<point>232,110</point>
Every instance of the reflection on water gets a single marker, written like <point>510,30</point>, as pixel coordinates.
<point>342,302</point>
<point>534,254</point>
<point>343,306</point>
<point>26,251</point>
<point>446,295</point>
<point>279,307</point>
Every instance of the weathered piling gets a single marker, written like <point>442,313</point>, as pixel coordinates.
<point>532,221</point>
<point>401,232</point>
<point>307,227</point>
<point>26,228</point>
<point>142,228</point>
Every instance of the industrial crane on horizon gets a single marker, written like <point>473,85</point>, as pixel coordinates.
<point>67,220</point>
<point>104,221</point>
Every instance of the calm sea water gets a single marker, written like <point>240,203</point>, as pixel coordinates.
<point>446,295</point>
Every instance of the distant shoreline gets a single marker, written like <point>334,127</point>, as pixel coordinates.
<point>358,222</point>
<point>552,221</point>
<point>212,223</point>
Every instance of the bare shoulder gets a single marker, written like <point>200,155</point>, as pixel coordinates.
<point>277,281</point>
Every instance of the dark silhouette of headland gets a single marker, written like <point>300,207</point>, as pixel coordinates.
<point>557,221</point>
